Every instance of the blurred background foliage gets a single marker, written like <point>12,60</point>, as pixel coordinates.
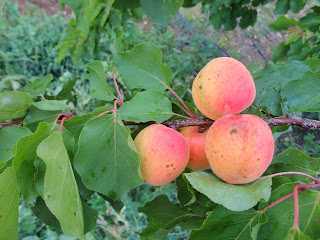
<point>30,44</point>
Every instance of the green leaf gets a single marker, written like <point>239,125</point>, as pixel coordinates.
<point>297,5</point>
<point>282,7</point>
<point>90,217</point>
<point>116,204</point>
<point>292,38</point>
<point>60,192</point>
<point>194,200</point>
<point>147,106</point>
<point>9,205</point>
<point>76,123</point>
<point>13,105</point>
<point>296,234</point>
<point>8,138</point>
<point>293,160</point>
<point>280,53</point>
<point>98,85</point>
<point>283,23</point>
<point>65,93</point>
<point>23,162</point>
<point>41,210</point>
<point>244,196</point>
<point>50,105</point>
<point>124,4</point>
<point>271,79</point>
<point>106,159</point>
<point>163,216</point>
<point>281,215</point>
<point>302,95</point>
<point>35,116</point>
<point>225,224</point>
<point>142,67</point>
<point>161,12</point>
<point>38,86</point>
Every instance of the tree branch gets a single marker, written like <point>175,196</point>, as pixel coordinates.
<point>285,120</point>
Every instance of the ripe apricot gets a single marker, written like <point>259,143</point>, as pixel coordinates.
<point>223,86</point>
<point>239,147</point>
<point>164,154</point>
<point>198,158</point>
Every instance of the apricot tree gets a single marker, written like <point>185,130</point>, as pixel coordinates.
<point>57,157</point>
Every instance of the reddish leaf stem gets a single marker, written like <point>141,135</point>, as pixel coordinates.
<point>105,112</point>
<point>44,99</point>
<point>183,104</point>
<point>117,89</point>
<point>297,173</point>
<point>176,114</point>
<point>296,205</point>
<point>61,124</point>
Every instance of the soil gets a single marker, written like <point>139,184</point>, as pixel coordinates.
<point>50,7</point>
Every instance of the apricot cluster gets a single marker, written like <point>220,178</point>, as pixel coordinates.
<point>237,147</point>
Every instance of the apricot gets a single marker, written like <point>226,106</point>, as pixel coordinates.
<point>198,158</point>
<point>239,148</point>
<point>164,154</point>
<point>224,86</point>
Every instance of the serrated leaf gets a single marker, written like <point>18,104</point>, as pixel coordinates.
<point>35,116</point>
<point>76,123</point>
<point>194,200</point>
<point>296,234</point>
<point>50,105</point>
<point>117,205</point>
<point>302,95</point>
<point>283,23</point>
<point>271,79</point>
<point>105,155</point>
<point>161,12</point>
<point>13,105</point>
<point>282,7</point>
<point>60,191</point>
<point>147,106</point>
<point>281,215</point>
<point>244,196</point>
<point>124,4</point>
<point>293,160</point>
<point>142,67</point>
<point>280,53</point>
<point>65,93</point>
<point>41,210</point>
<point>23,162</point>
<point>8,138</point>
<point>9,205</point>
<point>163,216</point>
<point>98,85</point>
<point>38,86</point>
<point>297,5</point>
<point>225,224</point>
<point>292,38</point>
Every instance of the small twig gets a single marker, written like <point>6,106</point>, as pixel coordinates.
<point>256,46</point>
<point>285,120</point>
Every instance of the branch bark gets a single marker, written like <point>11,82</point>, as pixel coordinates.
<point>285,120</point>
